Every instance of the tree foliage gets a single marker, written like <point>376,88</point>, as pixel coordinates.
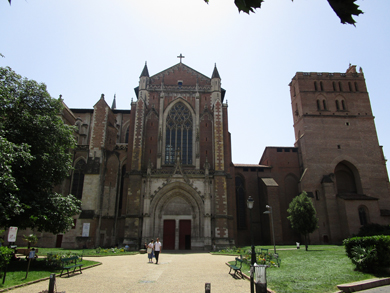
<point>35,157</point>
<point>343,8</point>
<point>30,239</point>
<point>302,215</point>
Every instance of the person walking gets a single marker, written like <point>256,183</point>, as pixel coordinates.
<point>157,249</point>
<point>149,250</point>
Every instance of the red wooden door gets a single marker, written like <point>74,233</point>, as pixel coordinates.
<point>59,241</point>
<point>169,234</point>
<point>184,234</point>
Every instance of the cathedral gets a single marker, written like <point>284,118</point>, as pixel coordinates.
<point>164,167</point>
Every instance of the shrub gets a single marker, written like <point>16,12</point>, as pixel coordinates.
<point>365,258</point>
<point>374,229</point>
<point>368,253</point>
<point>5,256</point>
<point>54,259</point>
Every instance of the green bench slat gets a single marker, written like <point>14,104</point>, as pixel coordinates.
<point>70,263</point>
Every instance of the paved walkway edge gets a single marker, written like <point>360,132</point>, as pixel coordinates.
<point>44,279</point>
<point>364,285</point>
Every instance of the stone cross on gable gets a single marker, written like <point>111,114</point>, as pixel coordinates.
<point>181,57</point>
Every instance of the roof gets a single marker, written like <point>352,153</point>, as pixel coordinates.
<point>270,182</point>
<point>169,70</point>
<point>355,196</point>
<point>250,166</point>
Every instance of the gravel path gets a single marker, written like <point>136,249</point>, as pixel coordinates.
<point>175,272</point>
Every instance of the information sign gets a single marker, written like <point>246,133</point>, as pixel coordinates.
<point>12,232</point>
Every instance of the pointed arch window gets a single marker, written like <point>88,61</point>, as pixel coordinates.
<point>123,178</point>
<point>127,135</point>
<point>179,129</point>
<point>241,203</point>
<point>78,179</point>
<point>363,215</point>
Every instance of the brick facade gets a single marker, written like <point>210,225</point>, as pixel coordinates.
<point>166,163</point>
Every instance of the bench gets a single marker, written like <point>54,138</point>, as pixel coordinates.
<point>69,263</point>
<point>26,252</point>
<point>236,267</point>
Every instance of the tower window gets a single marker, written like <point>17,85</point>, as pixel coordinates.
<point>334,86</point>
<point>337,105</point>
<point>341,88</point>
<point>356,87</point>
<point>321,86</point>
<point>350,86</point>
<point>318,105</point>
<point>317,195</point>
<point>324,103</point>
<point>343,105</point>
<point>315,86</point>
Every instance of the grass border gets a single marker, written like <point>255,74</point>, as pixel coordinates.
<point>43,279</point>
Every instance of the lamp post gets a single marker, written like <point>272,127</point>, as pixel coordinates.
<point>272,224</point>
<point>250,203</point>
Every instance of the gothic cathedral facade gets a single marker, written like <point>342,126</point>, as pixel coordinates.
<point>164,167</point>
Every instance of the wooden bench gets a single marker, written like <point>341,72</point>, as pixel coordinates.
<point>26,252</point>
<point>236,267</point>
<point>69,263</point>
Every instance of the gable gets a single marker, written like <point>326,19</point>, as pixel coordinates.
<point>181,72</point>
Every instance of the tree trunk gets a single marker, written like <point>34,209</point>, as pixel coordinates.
<point>306,246</point>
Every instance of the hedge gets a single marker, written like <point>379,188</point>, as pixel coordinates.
<point>369,253</point>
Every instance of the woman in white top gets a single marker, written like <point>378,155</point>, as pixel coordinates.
<point>150,251</point>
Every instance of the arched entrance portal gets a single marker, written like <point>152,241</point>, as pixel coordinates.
<point>176,216</point>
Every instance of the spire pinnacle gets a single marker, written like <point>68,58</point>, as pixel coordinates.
<point>215,72</point>
<point>114,103</point>
<point>145,71</point>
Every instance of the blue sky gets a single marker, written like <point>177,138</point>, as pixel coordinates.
<point>81,49</point>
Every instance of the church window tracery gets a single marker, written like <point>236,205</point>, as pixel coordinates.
<point>179,129</point>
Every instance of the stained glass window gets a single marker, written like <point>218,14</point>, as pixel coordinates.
<point>179,127</point>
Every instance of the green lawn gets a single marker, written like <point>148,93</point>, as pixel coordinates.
<point>88,252</point>
<point>319,269</point>
<point>16,272</point>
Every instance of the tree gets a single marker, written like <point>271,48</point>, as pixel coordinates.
<point>35,157</point>
<point>30,239</point>
<point>343,8</point>
<point>302,215</point>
